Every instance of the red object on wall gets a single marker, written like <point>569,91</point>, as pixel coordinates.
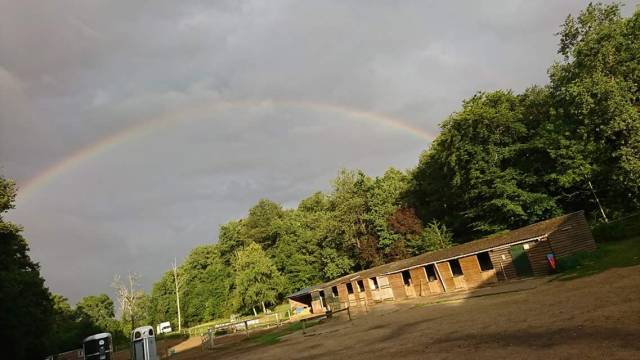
<point>551,260</point>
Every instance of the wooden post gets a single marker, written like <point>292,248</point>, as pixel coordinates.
<point>289,313</point>
<point>444,286</point>
<point>246,328</point>
<point>349,312</point>
<point>503,272</point>
<point>211,335</point>
<point>303,326</point>
<point>277,320</point>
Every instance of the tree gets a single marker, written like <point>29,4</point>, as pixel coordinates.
<point>296,253</point>
<point>162,303</point>
<point>210,280</point>
<point>26,307</point>
<point>258,225</point>
<point>594,135</point>
<point>230,239</point>
<point>348,231</point>
<point>257,280</point>
<point>67,332</point>
<point>98,309</point>
<point>435,236</point>
<point>385,197</point>
<point>478,170</point>
<point>129,295</point>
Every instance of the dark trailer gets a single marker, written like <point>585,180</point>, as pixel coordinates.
<point>97,347</point>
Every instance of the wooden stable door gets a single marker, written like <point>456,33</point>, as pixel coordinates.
<point>521,260</point>
<point>385,288</point>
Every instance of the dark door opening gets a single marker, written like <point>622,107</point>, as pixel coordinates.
<point>406,278</point>
<point>520,260</point>
<point>431,272</point>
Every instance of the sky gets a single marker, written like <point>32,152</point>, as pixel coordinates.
<point>134,129</point>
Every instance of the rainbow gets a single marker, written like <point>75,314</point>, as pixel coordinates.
<point>43,178</point>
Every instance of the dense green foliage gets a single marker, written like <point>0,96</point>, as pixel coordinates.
<point>507,159</point>
<point>93,314</point>
<point>26,308</point>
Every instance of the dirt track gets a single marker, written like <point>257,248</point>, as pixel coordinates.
<point>595,317</point>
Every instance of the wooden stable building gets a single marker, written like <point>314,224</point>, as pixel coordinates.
<point>524,252</point>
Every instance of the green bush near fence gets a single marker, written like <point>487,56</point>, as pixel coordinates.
<point>611,254</point>
<point>623,228</point>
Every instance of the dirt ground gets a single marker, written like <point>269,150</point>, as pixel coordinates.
<point>595,317</point>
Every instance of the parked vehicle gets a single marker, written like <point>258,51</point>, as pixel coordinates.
<point>164,328</point>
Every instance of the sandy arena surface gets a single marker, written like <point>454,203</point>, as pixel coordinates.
<point>596,317</point>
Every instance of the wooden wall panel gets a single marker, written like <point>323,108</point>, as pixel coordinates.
<point>445,272</point>
<point>367,290</point>
<point>343,295</point>
<point>572,236</point>
<point>537,254</point>
<point>502,263</point>
<point>471,270</point>
<point>397,286</point>
<point>420,283</point>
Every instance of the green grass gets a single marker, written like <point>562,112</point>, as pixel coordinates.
<point>273,337</point>
<point>614,254</point>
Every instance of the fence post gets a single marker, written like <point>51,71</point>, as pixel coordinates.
<point>277,320</point>
<point>303,326</point>
<point>246,328</point>
<point>349,312</point>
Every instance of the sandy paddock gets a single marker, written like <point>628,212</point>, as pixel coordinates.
<point>594,317</point>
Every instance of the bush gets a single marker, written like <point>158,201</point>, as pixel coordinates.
<point>617,229</point>
<point>576,261</point>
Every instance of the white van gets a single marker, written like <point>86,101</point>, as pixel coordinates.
<point>163,328</point>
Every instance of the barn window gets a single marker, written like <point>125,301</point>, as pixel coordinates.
<point>334,291</point>
<point>374,283</point>
<point>431,272</point>
<point>360,285</point>
<point>456,270</point>
<point>406,277</point>
<point>485,261</point>
<point>349,288</point>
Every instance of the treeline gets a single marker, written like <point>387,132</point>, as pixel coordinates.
<point>503,161</point>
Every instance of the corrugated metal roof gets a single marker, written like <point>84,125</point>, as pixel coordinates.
<point>527,232</point>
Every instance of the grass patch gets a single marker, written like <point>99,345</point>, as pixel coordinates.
<point>613,254</point>
<point>273,337</point>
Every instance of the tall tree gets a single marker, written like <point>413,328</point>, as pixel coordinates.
<point>130,295</point>
<point>594,135</point>
<point>257,279</point>
<point>98,309</point>
<point>258,225</point>
<point>26,307</point>
<point>385,197</point>
<point>481,159</point>
<point>297,251</point>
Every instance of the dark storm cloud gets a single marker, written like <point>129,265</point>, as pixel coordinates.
<point>73,72</point>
